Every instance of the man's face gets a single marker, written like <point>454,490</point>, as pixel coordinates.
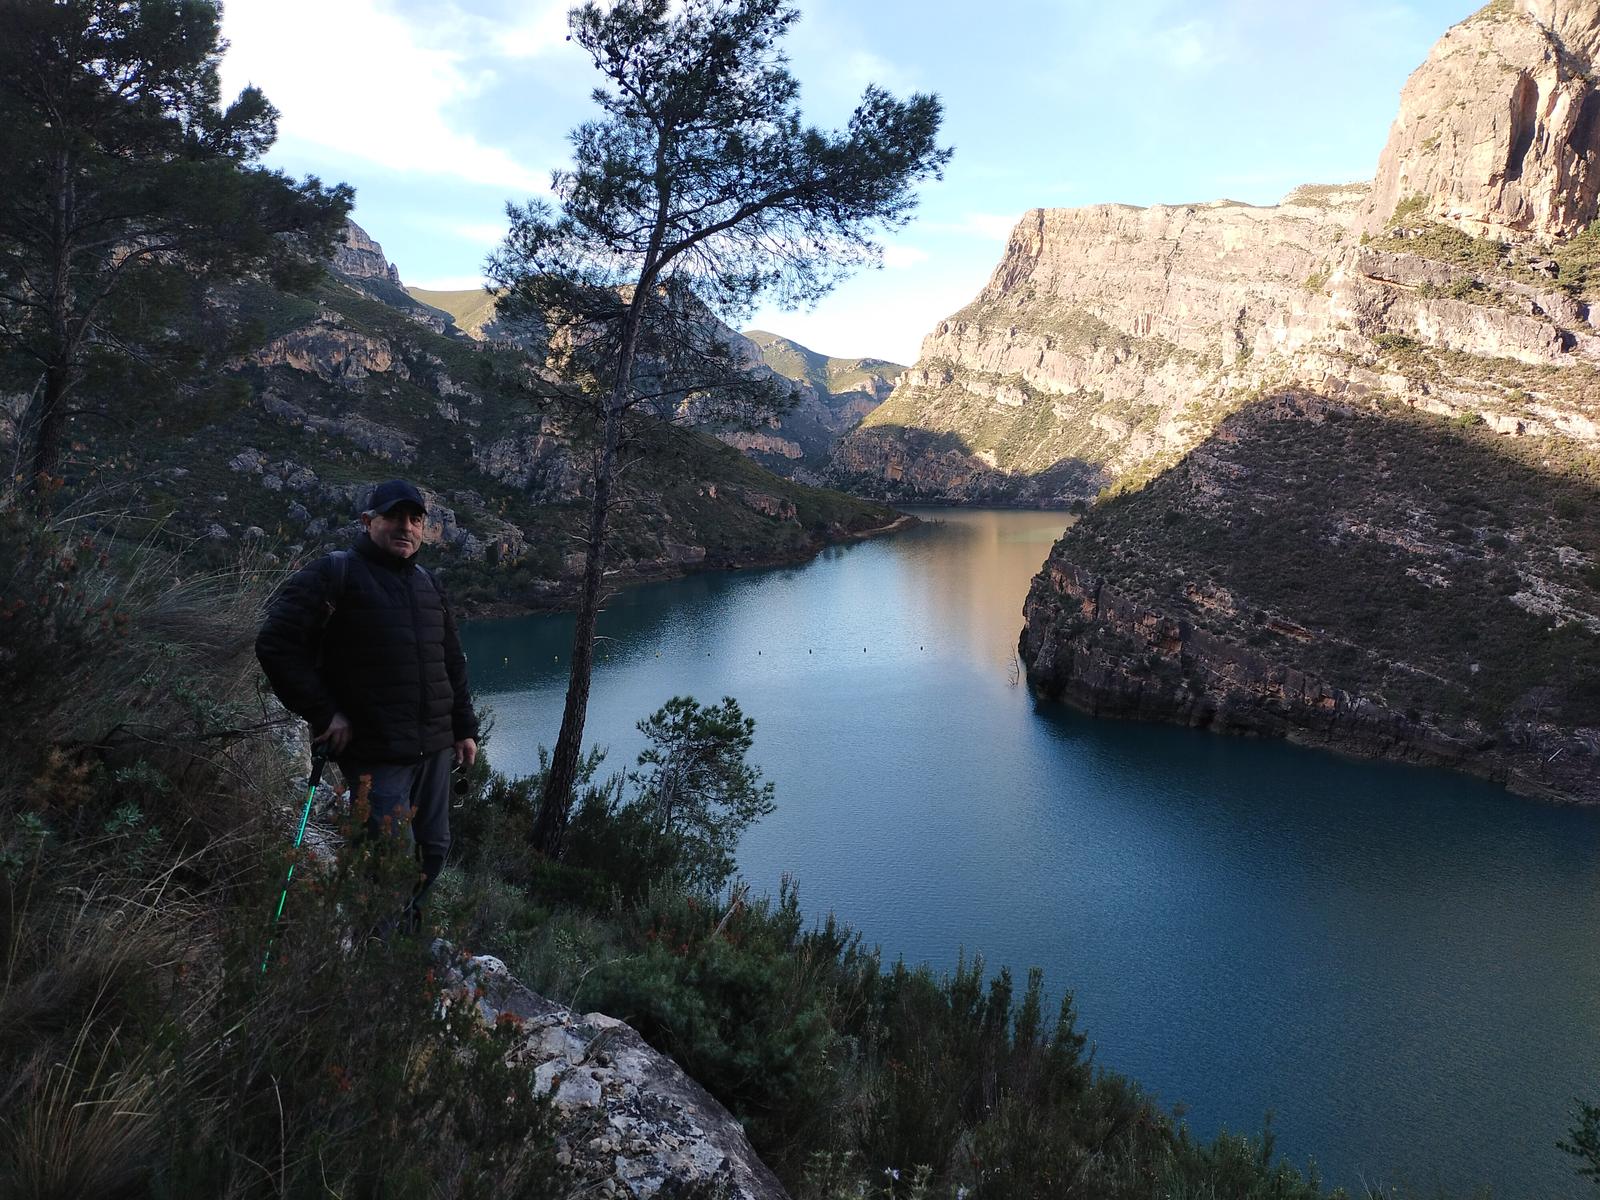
<point>399,531</point>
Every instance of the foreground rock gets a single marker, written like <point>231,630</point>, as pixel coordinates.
<point>631,1122</point>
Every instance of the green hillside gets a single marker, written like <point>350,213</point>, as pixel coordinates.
<point>471,309</point>
<point>828,375</point>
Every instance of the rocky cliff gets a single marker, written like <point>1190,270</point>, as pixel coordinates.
<point>359,381</point>
<point>1497,131</point>
<point>1110,340</point>
<point>1391,583</point>
<point>1375,527</point>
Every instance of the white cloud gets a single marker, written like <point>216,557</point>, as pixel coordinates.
<point>354,77</point>
<point>538,33</point>
<point>903,256</point>
<point>489,233</point>
<point>1190,46</point>
<point>990,227</point>
<point>867,324</point>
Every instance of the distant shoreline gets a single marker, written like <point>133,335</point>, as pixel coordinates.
<point>562,594</point>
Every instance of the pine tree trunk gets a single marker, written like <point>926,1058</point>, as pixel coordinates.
<point>48,418</point>
<point>47,422</point>
<point>556,798</point>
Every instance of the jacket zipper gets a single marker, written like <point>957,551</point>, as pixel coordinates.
<point>422,680</point>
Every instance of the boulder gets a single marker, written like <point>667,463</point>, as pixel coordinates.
<point>631,1122</point>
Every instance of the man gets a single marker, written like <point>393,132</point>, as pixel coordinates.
<point>363,645</point>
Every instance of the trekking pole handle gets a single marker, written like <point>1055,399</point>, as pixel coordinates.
<point>319,759</point>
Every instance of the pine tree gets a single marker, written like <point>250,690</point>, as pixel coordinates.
<point>698,184</point>
<point>128,190</point>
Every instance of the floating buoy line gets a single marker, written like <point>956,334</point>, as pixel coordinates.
<point>505,661</point>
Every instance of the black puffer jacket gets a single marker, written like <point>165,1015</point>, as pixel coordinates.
<point>391,658</point>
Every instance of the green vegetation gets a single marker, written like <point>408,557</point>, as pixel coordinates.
<point>1322,195</point>
<point>144,821</point>
<point>697,187</point>
<point>828,376</point>
<point>471,310</point>
<point>143,839</point>
<point>1407,208</point>
<point>128,192</point>
<point>1575,262</point>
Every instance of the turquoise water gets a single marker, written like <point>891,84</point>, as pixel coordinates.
<point>1398,963</point>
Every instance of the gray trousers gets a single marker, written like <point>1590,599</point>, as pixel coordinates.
<point>420,790</point>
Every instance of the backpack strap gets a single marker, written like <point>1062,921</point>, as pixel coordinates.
<point>340,561</point>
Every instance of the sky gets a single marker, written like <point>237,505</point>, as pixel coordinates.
<point>440,111</point>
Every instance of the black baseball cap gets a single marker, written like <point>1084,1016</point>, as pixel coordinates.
<point>397,491</point>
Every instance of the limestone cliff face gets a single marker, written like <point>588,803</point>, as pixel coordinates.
<point>1110,340</point>
<point>359,257</point>
<point>1497,132</point>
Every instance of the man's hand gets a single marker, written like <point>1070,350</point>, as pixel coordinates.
<point>338,734</point>
<point>466,752</point>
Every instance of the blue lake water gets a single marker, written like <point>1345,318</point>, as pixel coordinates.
<point>1400,964</point>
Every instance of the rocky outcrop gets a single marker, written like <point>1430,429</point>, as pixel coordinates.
<point>1395,586</point>
<point>537,459</point>
<point>359,257</point>
<point>459,521</point>
<point>1497,131</point>
<point>332,353</point>
<point>630,1122</point>
<point>758,445</point>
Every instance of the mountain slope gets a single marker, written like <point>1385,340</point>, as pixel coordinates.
<point>359,382</point>
<point>471,310</point>
<point>1394,583</point>
<point>832,395</point>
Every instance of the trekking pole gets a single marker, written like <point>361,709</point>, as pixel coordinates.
<point>319,759</point>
